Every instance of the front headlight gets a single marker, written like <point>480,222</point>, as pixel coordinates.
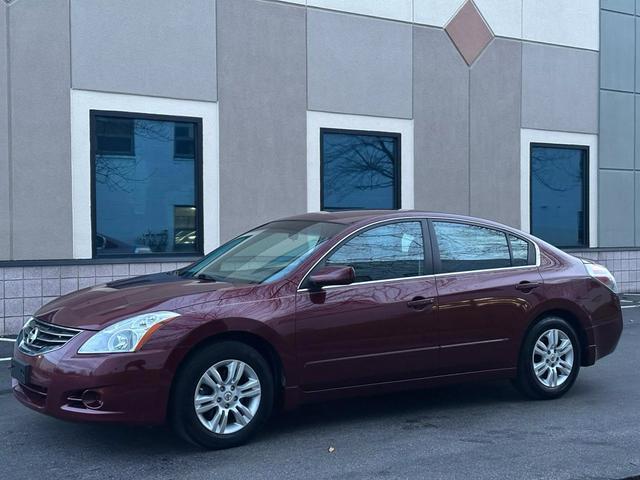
<point>127,335</point>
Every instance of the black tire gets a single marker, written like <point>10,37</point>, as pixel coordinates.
<point>183,416</point>
<point>527,381</point>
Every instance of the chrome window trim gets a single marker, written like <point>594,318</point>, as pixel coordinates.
<point>432,275</point>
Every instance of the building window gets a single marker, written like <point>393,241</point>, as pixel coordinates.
<point>184,144</point>
<point>115,136</point>
<point>559,194</point>
<point>359,170</point>
<point>143,201</point>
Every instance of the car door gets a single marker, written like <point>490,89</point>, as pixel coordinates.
<point>487,283</point>
<point>380,328</point>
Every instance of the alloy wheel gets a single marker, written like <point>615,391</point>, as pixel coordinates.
<point>227,397</point>
<point>553,358</point>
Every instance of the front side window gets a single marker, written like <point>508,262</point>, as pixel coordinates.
<point>394,250</point>
<point>265,254</point>
<point>559,194</point>
<point>466,247</point>
<point>360,170</point>
<point>146,202</point>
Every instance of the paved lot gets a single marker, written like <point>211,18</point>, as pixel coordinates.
<point>478,431</point>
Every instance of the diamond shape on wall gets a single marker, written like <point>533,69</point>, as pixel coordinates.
<point>469,32</point>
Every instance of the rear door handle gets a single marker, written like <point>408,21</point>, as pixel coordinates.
<point>420,303</point>
<point>526,286</point>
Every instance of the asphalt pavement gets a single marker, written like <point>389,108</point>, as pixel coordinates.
<point>483,431</point>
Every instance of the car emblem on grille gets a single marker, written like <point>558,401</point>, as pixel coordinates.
<point>31,336</point>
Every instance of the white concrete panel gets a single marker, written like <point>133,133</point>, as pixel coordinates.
<point>529,136</point>
<point>394,9</point>
<point>504,17</point>
<point>82,101</point>
<point>318,120</point>
<point>574,23</point>
<point>435,12</point>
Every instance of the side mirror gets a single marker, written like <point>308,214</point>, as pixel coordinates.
<point>338,275</point>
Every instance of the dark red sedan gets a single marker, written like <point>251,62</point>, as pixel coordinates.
<point>313,307</point>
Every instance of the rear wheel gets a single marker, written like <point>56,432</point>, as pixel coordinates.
<point>222,396</point>
<point>550,359</point>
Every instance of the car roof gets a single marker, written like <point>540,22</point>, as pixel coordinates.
<point>348,217</point>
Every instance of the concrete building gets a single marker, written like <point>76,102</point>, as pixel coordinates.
<point>136,135</point>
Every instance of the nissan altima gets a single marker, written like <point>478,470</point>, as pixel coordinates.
<point>315,307</point>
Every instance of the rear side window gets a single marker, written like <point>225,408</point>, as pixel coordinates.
<point>519,251</point>
<point>394,250</point>
<point>465,247</point>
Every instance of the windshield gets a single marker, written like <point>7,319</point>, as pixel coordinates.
<point>265,254</point>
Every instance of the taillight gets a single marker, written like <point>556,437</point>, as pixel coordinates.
<point>600,273</point>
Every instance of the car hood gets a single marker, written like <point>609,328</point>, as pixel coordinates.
<point>95,307</point>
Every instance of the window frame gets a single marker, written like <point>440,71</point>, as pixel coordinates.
<point>198,183</point>
<point>585,190</point>
<point>426,247</point>
<point>533,257</point>
<point>397,171</point>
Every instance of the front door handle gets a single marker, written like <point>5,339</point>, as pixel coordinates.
<point>526,286</point>
<point>420,303</point>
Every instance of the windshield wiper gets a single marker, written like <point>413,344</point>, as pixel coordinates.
<point>208,278</point>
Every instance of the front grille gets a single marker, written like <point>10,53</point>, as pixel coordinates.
<point>39,337</point>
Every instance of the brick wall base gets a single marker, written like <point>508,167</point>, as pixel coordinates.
<point>25,289</point>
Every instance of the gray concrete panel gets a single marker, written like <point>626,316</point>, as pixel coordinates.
<point>637,208</point>
<point>262,89</point>
<point>40,127</point>
<point>441,123</point>
<point>358,64</point>
<point>617,46</point>
<point>5,203</point>
<point>559,88</point>
<point>616,208</point>
<point>149,47</point>
<point>637,132</point>
<point>495,132</point>
<point>616,130</point>
<point>624,6</point>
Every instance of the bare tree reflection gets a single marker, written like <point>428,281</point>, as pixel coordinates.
<point>119,172</point>
<point>360,162</point>
<point>557,172</point>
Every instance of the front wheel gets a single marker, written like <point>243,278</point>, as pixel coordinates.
<point>549,360</point>
<point>222,395</point>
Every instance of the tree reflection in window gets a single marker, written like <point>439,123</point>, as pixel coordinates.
<point>389,251</point>
<point>146,202</point>
<point>465,247</point>
<point>359,170</point>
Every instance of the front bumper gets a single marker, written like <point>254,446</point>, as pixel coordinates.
<point>131,387</point>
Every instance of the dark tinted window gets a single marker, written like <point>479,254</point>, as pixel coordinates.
<point>359,170</point>
<point>145,201</point>
<point>389,251</point>
<point>559,194</point>
<point>519,251</point>
<point>469,247</point>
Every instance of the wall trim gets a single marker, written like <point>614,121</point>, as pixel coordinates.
<point>317,120</point>
<point>529,136</point>
<point>82,101</point>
